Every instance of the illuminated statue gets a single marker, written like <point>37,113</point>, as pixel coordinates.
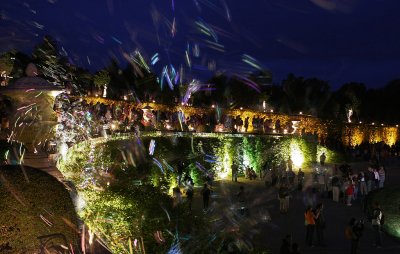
<point>349,114</point>
<point>105,91</point>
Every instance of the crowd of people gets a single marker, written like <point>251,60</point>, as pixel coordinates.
<point>122,115</point>
<point>340,184</point>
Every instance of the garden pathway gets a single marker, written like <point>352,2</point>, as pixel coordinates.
<point>270,234</point>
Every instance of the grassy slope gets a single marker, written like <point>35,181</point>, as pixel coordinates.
<point>389,199</point>
<point>22,203</point>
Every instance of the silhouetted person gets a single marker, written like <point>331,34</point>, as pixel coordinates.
<point>286,244</point>
<point>189,196</point>
<point>206,192</point>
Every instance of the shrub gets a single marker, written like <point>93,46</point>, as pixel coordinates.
<point>25,206</point>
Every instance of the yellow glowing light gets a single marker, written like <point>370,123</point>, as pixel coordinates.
<point>222,173</point>
<point>55,93</point>
<point>63,149</point>
<point>296,155</point>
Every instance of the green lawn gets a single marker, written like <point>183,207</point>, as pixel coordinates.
<point>32,209</point>
<point>389,199</point>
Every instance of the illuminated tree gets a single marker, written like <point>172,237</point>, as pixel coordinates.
<point>51,63</point>
<point>6,66</point>
<point>101,79</point>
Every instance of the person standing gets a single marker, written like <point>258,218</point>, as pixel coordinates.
<point>321,183</point>
<point>295,248</point>
<point>286,244</point>
<point>349,193</point>
<point>353,232</point>
<point>177,196</point>
<point>335,188</point>
<point>320,225</point>
<point>377,216</point>
<point>234,172</point>
<point>300,180</point>
<point>310,218</point>
<point>283,196</point>
<point>382,176</point>
<point>274,177</point>
<point>206,192</point>
<point>322,159</point>
<point>246,124</point>
<point>290,164</point>
<point>370,178</point>
<point>376,179</point>
<point>189,195</point>
<point>180,167</point>
<point>291,175</point>
<point>363,184</point>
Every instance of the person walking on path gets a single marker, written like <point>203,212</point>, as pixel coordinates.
<point>241,195</point>
<point>189,195</point>
<point>309,222</point>
<point>353,232</point>
<point>234,172</point>
<point>377,221</point>
<point>376,178</point>
<point>283,194</point>
<point>206,192</point>
<point>363,183</point>
<point>177,196</point>
<point>180,167</point>
<point>300,180</point>
<point>349,193</point>
<point>295,248</point>
<point>286,245</point>
<point>291,175</point>
<point>322,159</point>
<point>320,225</point>
<point>335,188</point>
<point>382,176</point>
<point>370,178</point>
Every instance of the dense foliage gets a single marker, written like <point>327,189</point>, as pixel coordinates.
<point>139,83</point>
<point>126,196</point>
<point>125,185</point>
<point>29,197</point>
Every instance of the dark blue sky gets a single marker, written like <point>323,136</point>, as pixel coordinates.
<point>336,40</point>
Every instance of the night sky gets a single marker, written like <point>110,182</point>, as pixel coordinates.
<point>336,40</point>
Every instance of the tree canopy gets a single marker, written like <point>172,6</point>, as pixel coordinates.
<point>137,82</point>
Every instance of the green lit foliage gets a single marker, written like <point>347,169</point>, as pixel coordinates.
<point>331,156</point>
<point>126,195</point>
<point>122,213</point>
<point>292,146</point>
<point>254,150</point>
<point>101,78</point>
<point>7,62</point>
<point>389,200</point>
<point>126,192</point>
